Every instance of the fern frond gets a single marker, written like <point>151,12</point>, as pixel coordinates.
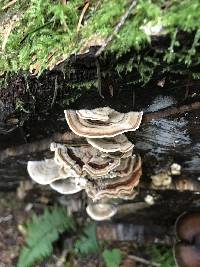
<point>112,258</point>
<point>87,243</point>
<point>42,231</point>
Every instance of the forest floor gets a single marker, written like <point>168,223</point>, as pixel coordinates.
<point>14,212</point>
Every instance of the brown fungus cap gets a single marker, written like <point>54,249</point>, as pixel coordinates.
<point>118,155</point>
<point>188,226</point>
<point>98,166</point>
<point>116,188</point>
<point>126,167</point>
<point>119,143</point>
<point>97,114</point>
<point>187,255</point>
<point>117,123</point>
<point>65,157</point>
<point>187,250</point>
<point>82,161</point>
<point>121,194</point>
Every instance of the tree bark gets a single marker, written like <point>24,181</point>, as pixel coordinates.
<point>32,117</point>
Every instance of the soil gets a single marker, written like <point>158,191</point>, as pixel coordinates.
<point>15,212</point>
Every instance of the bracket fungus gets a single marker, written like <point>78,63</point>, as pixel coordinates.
<point>66,186</point>
<point>116,188</point>
<point>119,143</point>
<point>102,163</point>
<point>44,171</point>
<point>98,114</point>
<point>101,211</point>
<point>115,124</point>
<point>187,249</point>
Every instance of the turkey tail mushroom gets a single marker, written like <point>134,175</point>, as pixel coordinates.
<point>43,172</point>
<point>98,114</point>
<point>66,187</point>
<point>99,167</point>
<point>119,143</point>
<point>98,157</point>
<point>101,211</point>
<point>116,188</point>
<point>117,123</point>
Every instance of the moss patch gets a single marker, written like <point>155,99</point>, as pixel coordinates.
<point>45,31</point>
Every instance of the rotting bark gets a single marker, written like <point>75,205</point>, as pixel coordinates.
<point>169,132</point>
<point>138,233</point>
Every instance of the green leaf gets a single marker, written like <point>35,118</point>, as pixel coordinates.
<point>42,231</point>
<point>112,257</point>
<point>87,244</point>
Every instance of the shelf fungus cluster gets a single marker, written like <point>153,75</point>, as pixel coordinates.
<point>99,159</point>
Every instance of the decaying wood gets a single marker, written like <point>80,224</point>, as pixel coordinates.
<point>129,232</point>
<point>44,144</point>
<point>178,184</point>
<point>39,146</point>
<point>171,111</point>
<point>169,134</point>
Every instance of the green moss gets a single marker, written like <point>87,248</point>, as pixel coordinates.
<point>20,106</point>
<point>105,18</point>
<point>47,31</point>
<point>81,85</point>
<point>75,94</point>
<point>182,15</point>
<point>161,254</point>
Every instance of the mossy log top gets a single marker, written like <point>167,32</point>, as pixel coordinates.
<point>37,35</point>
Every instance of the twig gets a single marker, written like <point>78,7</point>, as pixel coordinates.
<point>64,24</point>
<point>55,91</point>
<point>6,218</point>
<point>82,15</point>
<point>144,261</point>
<point>9,4</point>
<point>187,89</point>
<point>99,77</point>
<point>170,111</point>
<point>133,98</point>
<point>63,2</point>
<point>6,36</point>
<point>97,6</point>
<point>35,30</point>
<point>117,28</point>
